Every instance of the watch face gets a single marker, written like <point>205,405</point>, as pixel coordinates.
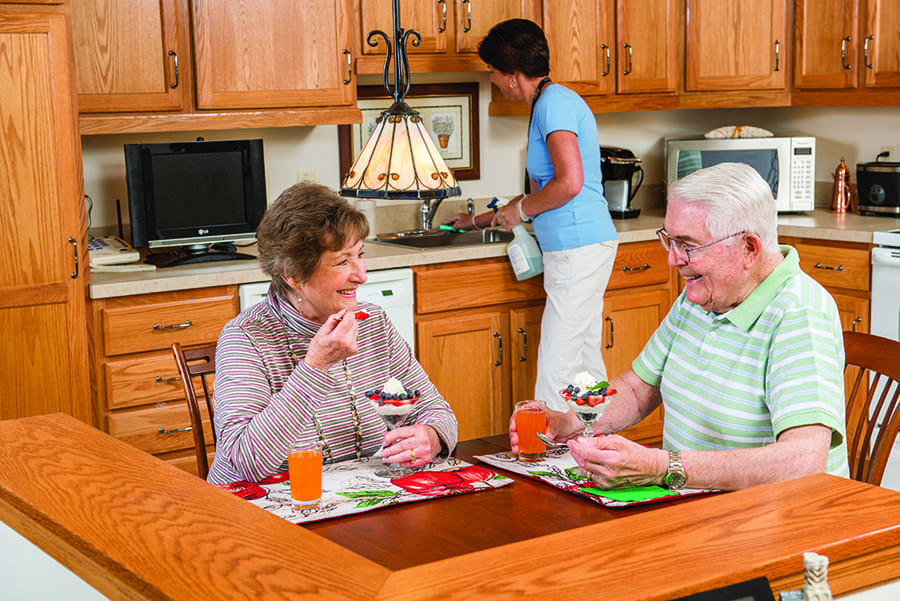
<point>675,481</point>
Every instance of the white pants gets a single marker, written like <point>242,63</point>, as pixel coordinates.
<point>572,324</point>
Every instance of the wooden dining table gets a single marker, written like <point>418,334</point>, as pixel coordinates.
<point>135,527</point>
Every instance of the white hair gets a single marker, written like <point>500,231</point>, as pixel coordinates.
<point>736,198</point>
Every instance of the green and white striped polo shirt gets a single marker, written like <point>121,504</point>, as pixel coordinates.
<point>739,379</point>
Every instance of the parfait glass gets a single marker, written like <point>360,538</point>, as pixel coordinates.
<point>394,416</point>
<point>586,413</point>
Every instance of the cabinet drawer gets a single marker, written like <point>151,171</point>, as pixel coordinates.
<point>639,264</point>
<point>836,266</point>
<point>472,284</point>
<point>140,427</point>
<point>150,327</point>
<point>134,381</point>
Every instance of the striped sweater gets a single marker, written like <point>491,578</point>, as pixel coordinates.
<point>263,404</point>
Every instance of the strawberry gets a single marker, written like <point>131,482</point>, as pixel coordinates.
<point>361,315</point>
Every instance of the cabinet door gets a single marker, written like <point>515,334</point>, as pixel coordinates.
<point>126,55</point>
<point>853,311</point>
<point>467,357</point>
<point>580,35</point>
<point>646,46</point>
<point>429,17</point>
<point>881,44</point>
<point>825,44</point>
<point>629,319</point>
<point>43,319</point>
<point>525,336</point>
<point>474,18</point>
<point>736,45</point>
<point>281,53</point>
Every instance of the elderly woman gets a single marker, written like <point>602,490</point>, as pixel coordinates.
<point>295,366</point>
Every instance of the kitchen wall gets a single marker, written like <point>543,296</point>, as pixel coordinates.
<point>856,134</point>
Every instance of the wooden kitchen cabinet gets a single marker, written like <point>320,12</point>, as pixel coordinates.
<point>44,362</point>
<point>136,380</point>
<point>478,330</point>
<point>850,48</point>
<point>736,45</point>
<point>450,30</point>
<point>174,66</point>
<point>128,56</point>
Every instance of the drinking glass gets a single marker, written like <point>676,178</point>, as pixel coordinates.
<point>531,418</point>
<point>305,469</point>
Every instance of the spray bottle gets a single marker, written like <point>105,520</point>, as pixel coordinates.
<point>523,250</point>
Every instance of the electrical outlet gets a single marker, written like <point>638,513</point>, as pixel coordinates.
<point>307,175</point>
<point>891,150</point>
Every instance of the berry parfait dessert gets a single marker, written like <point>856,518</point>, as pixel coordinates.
<point>393,403</point>
<point>587,398</point>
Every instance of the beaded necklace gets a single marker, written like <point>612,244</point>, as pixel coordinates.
<point>354,411</point>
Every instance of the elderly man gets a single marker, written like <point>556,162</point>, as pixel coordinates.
<point>748,363</point>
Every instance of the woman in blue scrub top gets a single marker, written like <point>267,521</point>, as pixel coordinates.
<point>566,205</point>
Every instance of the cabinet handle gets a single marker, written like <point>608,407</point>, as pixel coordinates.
<point>866,51</point>
<point>778,55</point>
<point>177,326</point>
<point>500,341</point>
<point>643,267</point>
<point>468,26</point>
<point>628,48</point>
<point>443,26</point>
<point>605,49</point>
<point>820,266</point>
<point>163,380</point>
<point>844,43</point>
<point>349,67</point>
<point>853,325</point>
<point>164,431</point>
<point>74,243</point>
<point>174,56</point>
<point>524,343</point>
<point>612,340</point>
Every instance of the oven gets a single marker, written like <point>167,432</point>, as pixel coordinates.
<point>885,318</point>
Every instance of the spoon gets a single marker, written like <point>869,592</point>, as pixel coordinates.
<point>549,441</point>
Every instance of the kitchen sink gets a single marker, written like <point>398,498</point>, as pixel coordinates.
<point>442,238</point>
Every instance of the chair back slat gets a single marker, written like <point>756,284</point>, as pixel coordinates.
<point>874,398</point>
<point>198,363</point>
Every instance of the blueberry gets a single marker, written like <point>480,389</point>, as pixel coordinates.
<point>383,394</point>
<point>402,396</point>
<point>416,393</point>
<point>576,390</point>
<point>569,388</point>
<point>603,390</point>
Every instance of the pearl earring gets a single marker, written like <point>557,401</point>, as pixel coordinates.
<point>512,83</point>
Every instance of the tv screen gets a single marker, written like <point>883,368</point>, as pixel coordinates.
<point>195,198</point>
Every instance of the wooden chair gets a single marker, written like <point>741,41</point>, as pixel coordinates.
<point>198,363</point>
<point>873,402</point>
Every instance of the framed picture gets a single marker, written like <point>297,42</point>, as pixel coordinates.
<point>450,114</point>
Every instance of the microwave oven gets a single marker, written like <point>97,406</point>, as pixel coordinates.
<point>787,164</point>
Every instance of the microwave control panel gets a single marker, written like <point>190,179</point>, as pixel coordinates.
<point>803,173</point>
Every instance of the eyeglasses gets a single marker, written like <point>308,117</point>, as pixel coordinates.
<point>682,249</point>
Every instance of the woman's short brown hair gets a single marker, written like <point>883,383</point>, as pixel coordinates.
<point>303,223</point>
<point>516,45</point>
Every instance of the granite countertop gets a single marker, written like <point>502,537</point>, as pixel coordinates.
<point>820,224</point>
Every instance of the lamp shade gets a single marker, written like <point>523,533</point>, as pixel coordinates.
<point>400,160</point>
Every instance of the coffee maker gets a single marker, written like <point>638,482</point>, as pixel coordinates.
<point>619,167</point>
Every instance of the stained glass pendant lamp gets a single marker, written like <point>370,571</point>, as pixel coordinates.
<point>399,160</point>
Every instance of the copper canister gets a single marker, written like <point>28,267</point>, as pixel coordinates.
<point>840,196</point>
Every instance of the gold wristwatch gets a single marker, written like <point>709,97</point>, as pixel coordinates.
<point>676,477</point>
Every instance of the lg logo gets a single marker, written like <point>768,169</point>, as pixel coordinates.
<point>202,231</point>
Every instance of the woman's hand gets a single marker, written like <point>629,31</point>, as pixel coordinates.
<point>561,425</point>
<point>413,446</point>
<point>335,341</point>
<point>461,221</point>
<point>616,462</point>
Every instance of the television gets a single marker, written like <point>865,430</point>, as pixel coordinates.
<point>193,200</point>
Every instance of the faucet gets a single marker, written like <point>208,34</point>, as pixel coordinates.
<point>428,211</point>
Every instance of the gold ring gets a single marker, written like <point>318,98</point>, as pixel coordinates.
<point>412,455</point>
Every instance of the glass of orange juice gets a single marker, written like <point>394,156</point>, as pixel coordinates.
<point>531,418</point>
<point>305,468</point>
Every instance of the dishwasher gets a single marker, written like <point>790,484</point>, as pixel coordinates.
<point>886,316</point>
<point>392,289</point>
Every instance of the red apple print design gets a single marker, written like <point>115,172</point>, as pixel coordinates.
<point>438,484</point>
<point>245,490</point>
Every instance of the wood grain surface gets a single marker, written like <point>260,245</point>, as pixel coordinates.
<point>137,528</point>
